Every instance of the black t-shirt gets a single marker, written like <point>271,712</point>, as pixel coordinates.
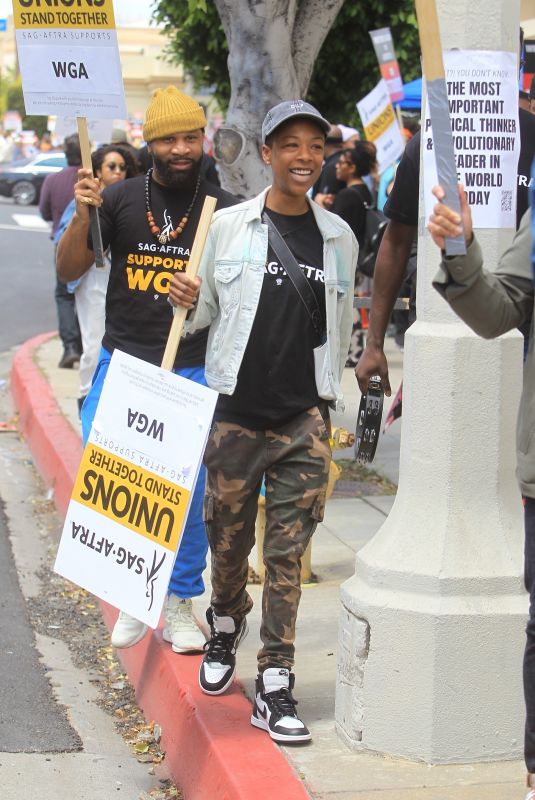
<point>527,154</point>
<point>349,204</point>
<point>402,204</point>
<point>276,380</point>
<point>327,182</point>
<point>138,316</point>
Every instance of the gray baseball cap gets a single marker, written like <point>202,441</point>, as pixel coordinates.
<point>291,109</point>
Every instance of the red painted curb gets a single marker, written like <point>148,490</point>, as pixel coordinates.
<point>211,749</point>
<point>55,446</point>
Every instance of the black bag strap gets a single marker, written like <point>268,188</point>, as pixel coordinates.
<point>302,286</point>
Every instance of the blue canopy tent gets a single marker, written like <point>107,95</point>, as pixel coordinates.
<point>413,95</point>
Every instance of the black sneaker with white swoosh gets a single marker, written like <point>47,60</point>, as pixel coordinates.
<point>218,666</point>
<point>274,707</point>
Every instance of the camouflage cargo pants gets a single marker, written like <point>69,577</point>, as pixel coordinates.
<point>295,459</point>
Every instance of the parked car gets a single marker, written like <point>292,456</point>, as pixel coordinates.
<point>22,180</point>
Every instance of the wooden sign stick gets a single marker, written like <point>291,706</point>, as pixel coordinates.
<point>85,148</point>
<point>437,97</point>
<point>191,271</point>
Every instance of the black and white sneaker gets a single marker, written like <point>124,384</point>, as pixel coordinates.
<point>274,707</point>
<point>218,666</point>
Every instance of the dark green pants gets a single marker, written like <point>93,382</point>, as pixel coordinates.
<point>294,458</point>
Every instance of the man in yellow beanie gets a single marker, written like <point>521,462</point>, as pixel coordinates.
<point>149,223</point>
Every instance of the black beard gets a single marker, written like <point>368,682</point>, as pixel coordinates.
<point>176,180</point>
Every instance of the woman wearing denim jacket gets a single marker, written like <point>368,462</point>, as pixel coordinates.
<point>272,416</point>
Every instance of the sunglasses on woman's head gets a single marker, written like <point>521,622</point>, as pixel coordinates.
<point>113,166</point>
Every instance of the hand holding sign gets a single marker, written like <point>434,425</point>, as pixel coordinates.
<point>445,223</point>
<point>86,193</point>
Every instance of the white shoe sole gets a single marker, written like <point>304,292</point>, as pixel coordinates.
<point>223,688</point>
<point>279,737</point>
<point>230,680</point>
<point>132,642</point>
<point>188,648</point>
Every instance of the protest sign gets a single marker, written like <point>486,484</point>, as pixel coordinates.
<point>69,64</point>
<point>132,493</point>
<point>381,126</point>
<point>99,130</point>
<point>69,59</point>
<point>12,121</point>
<point>482,91</point>
<point>388,63</point>
<point>133,488</point>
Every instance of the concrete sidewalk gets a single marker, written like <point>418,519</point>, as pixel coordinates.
<point>211,748</point>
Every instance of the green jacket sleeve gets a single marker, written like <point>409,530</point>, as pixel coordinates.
<point>490,303</point>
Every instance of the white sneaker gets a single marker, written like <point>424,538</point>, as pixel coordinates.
<point>128,631</point>
<point>180,626</point>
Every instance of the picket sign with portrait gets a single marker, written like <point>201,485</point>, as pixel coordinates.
<point>482,89</point>
<point>134,485</point>
<point>381,126</point>
<point>69,59</point>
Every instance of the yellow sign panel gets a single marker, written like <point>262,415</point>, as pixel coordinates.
<point>380,124</point>
<point>131,496</point>
<point>47,14</point>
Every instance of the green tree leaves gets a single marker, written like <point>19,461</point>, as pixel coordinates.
<point>345,70</point>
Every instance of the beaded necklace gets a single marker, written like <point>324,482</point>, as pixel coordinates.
<point>169,232</point>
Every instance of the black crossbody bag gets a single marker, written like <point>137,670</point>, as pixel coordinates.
<point>302,286</point>
<point>323,373</point>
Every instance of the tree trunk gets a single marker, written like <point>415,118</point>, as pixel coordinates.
<point>272,48</point>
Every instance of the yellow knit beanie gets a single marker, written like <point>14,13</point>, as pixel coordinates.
<point>171,111</point>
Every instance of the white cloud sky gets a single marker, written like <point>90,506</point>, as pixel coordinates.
<point>134,13</point>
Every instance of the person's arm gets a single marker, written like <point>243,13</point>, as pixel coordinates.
<point>74,257</point>
<point>388,275</point>
<point>45,200</point>
<point>491,303</point>
<point>325,200</point>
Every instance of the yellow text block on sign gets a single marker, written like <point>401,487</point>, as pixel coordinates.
<point>131,496</point>
<point>50,14</point>
<point>376,127</point>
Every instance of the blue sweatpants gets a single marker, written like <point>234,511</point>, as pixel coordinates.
<point>186,580</point>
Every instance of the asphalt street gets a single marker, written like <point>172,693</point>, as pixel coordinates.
<point>31,719</point>
<point>27,275</point>
<point>54,739</point>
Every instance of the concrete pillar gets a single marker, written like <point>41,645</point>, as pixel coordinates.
<point>431,633</point>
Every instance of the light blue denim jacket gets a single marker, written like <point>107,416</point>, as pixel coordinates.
<point>232,271</point>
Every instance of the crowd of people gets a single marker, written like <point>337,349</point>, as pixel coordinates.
<point>272,342</point>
